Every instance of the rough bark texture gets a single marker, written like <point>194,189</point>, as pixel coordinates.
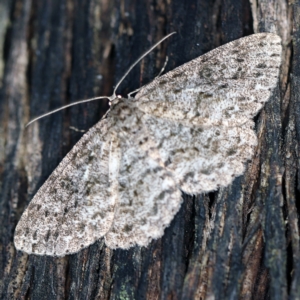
<point>241,242</point>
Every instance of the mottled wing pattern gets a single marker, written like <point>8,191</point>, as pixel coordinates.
<point>75,206</point>
<point>149,196</point>
<point>202,160</point>
<point>227,85</point>
<point>190,129</point>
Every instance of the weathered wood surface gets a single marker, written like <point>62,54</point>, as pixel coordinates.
<point>241,242</point>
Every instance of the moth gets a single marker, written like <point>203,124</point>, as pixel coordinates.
<point>190,130</point>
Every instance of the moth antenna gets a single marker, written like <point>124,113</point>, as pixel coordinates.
<point>65,106</point>
<point>113,96</point>
<point>138,60</point>
<point>163,68</point>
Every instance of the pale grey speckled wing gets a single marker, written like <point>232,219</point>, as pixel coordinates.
<point>198,121</point>
<point>149,195</point>
<point>75,206</point>
<point>190,129</point>
<point>225,86</point>
<point>149,198</point>
<point>202,159</point>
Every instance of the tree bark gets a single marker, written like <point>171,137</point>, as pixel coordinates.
<point>241,242</point>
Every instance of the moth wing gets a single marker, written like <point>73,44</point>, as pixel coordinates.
<point>148,199</point>
<point>202,159</point>
<point>75,206</point>
<point>228,84</point>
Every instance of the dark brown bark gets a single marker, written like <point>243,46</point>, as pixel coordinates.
<point>241,242</point>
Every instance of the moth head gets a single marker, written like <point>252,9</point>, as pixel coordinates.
<point>114,101</point>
